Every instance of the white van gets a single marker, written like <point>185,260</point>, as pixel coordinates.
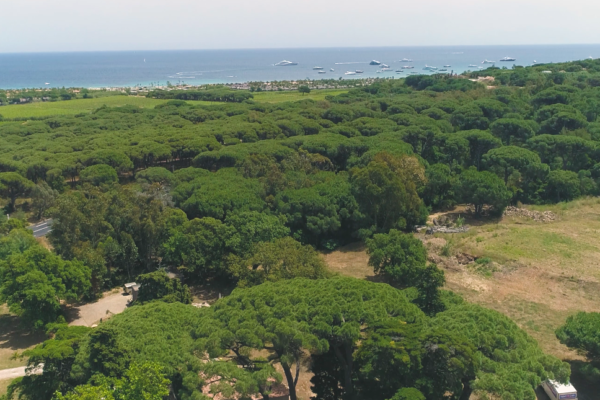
<point>558,391</point>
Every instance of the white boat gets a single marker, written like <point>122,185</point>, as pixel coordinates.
<point>447,66</point>
<point>384,66</point>
<point>350,73</point>
<point>331,69</point>
<point>429,68</point>
<point>322,72</point>
<point>386,69</point>
<point>375,62</point>
<point>473,66</point>
<point>486,61</point>
<point>508,59</point>
<point>408,67</point>
<point>358,71</point>
<point>285,63</point>
<point>317,68</point>
<point>406,60</point>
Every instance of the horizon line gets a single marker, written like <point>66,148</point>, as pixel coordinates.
<point>294,48</point>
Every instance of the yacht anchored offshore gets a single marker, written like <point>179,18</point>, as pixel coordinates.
<point>350,73</point>
<point>429,68</point>
<point>285,63</point>
<point>322,72</point>
<point>408,67</point>
<point>406,60</point>
<point>486,61</point>
<point>374,62</point>
<point>317,68</point>
<point>447,66</point>
<point>508,59</point>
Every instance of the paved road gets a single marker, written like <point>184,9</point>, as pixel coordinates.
<point>17,372</point>
<point>41,229</point>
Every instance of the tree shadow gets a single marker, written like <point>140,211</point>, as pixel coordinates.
<point>14,337</point>
<point>587,387</point>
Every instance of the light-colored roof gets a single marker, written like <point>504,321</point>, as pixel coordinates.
<point>561,388</point>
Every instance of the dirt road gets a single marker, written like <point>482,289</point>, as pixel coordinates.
<point>91,313</point>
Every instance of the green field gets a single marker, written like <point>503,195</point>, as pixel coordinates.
<point>86,105</point>
<point>278,97</point>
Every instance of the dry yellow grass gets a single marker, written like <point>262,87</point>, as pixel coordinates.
<point>14,339</point>
<point>4,385</point>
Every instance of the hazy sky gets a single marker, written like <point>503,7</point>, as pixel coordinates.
<point>75,25</point>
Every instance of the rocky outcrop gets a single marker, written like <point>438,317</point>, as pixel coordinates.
<point>538,216</point>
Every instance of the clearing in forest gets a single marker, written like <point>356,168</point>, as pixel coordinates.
<point>537,273</point>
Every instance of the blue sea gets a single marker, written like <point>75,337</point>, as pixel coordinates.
<point>131,68</point>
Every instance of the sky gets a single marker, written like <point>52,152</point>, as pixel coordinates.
<point>98,25</point>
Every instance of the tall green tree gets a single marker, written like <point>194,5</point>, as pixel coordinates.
<point>13,186</point>
<point>483,188</point>
<point>281,259</point>
<point>386,191</point>
<point>34,282</point>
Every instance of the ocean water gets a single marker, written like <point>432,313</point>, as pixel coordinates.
<point>130,68</point>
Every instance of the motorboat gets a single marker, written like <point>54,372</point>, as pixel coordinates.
<point>358,71</point>
<point>350,73</point>
<point>473,66</point>
<point>505,59</point>
<point>384,66</point>
<point>486,61</point>
<point>375,62</point>
<point>408,67</point>
<point>447,66</point>
<point>406,60</point>
<point>322,72</point>
<point>317,68</point>
<point>443,70</point>
<point>429,68</point>
<point>285,63</point>
<point>386,69</point>
<point>331,69</point>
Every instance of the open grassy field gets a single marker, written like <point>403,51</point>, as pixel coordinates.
<point>73,106</point>
<point>279,97</point>
<point>36,110</point>
<point>538,273</point>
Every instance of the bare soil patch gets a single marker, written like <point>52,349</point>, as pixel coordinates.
<point>114,302</point>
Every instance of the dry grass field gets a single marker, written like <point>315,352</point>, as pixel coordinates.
<point>4,385</point>
<point>537,273</point>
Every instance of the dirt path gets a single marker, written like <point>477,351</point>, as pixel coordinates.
<point>91,313</point>
<point>17,373</point>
